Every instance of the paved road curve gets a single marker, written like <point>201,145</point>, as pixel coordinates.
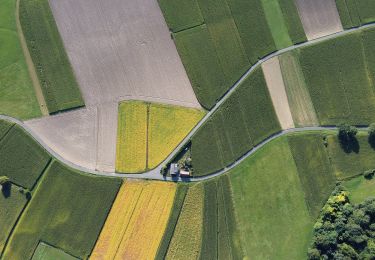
<point>154,174</point>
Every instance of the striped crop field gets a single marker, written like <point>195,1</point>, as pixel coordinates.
<point>148,133</point>
<point>139,215</point>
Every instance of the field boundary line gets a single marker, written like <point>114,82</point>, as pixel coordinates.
<point>30,64</point>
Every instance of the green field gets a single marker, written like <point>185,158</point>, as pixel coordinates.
<point>314,169</point>
<point>5,126</point>
<point>17,97</point>
<point>245,119</point>
<point>360,188</point>
<point>67,211</point>
<point>350,163</point>
<point>336,75</point>
<point>269,203</point>
<point>354,13</point>
<point>197,52</point>
<point>293,21</point>
<point>59,86</point>
<point>172,221</point>
<point>47,252</point>
<point>181,14</point>
<point>277,23</point>
<point>301,106</point>
<point>12,202</point>
<point>22,159</point>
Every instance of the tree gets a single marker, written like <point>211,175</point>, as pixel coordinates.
<point>347,132</point>
<point>371,135</point>
<point>4,180</point>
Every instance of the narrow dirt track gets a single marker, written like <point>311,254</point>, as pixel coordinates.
<point>155,173</point>
<point>30,65</point>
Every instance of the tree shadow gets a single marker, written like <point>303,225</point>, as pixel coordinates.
<point>350,144</point>
<point>6,189</point>
<point>371,141</point>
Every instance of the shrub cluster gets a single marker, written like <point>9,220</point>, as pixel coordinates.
<point>344,230</point>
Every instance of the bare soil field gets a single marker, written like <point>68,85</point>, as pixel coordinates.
<point>121,49</point>
<point>319,17</point>
<point>275,84</point>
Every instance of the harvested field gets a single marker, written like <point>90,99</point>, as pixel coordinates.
<point>120,50</point>
<point>275,84</point>
<point>139,214</point>
<point>17,96</point>
<point>45,252</point>
<point>22,159</point>
<point>12,202</point>
<point>68,210</point>
<point>301,106</point>
<point>184,245</point>
<point>319,17</point>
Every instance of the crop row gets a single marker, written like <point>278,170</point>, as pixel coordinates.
<point>354,13</point>
<point>221,39</point>
<point>59,86</point>
<point>245,119</point>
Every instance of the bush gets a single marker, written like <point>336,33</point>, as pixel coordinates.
<point>369,174</point>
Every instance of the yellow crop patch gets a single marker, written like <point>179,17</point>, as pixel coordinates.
<point>136,222</point>
<point>132,137</point>
<point>168,125</point>
<point>149,132</point>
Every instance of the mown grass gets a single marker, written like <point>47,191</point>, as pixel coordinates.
<point>45,252</point>
<point>59,86</point>
<point>245,119</point>
<point>360,188</point>
<point>187,238</point>
<point>359,158</point>
<point>67,210</point>
<point>132,137</point>
<point>172,221</point>
<point>314,169</point>
<point>22,159</point>
<point>140,213</point>
<point>12,202</point>
<point>270,207</point>
<point>17,97</point>
<point>336,76</point>
<point>167,127</point>
<point>301,106</point>
<point>293,21</point>
<point>277,23</point>
<point>181,14</point>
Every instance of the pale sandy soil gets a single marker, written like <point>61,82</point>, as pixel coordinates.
<point>119,50</point>
<point>275,84</point>
<point>319,17</point>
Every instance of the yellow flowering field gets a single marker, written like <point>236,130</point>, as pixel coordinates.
<point>186,240</point>
<point>168,125</point>
<point>136,223</point>
<point>131,137</point>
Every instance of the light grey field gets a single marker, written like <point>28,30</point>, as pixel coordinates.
<point>319,17</point>
<point>119,50</point>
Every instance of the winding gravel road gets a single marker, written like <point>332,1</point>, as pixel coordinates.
<point>154,174</point>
